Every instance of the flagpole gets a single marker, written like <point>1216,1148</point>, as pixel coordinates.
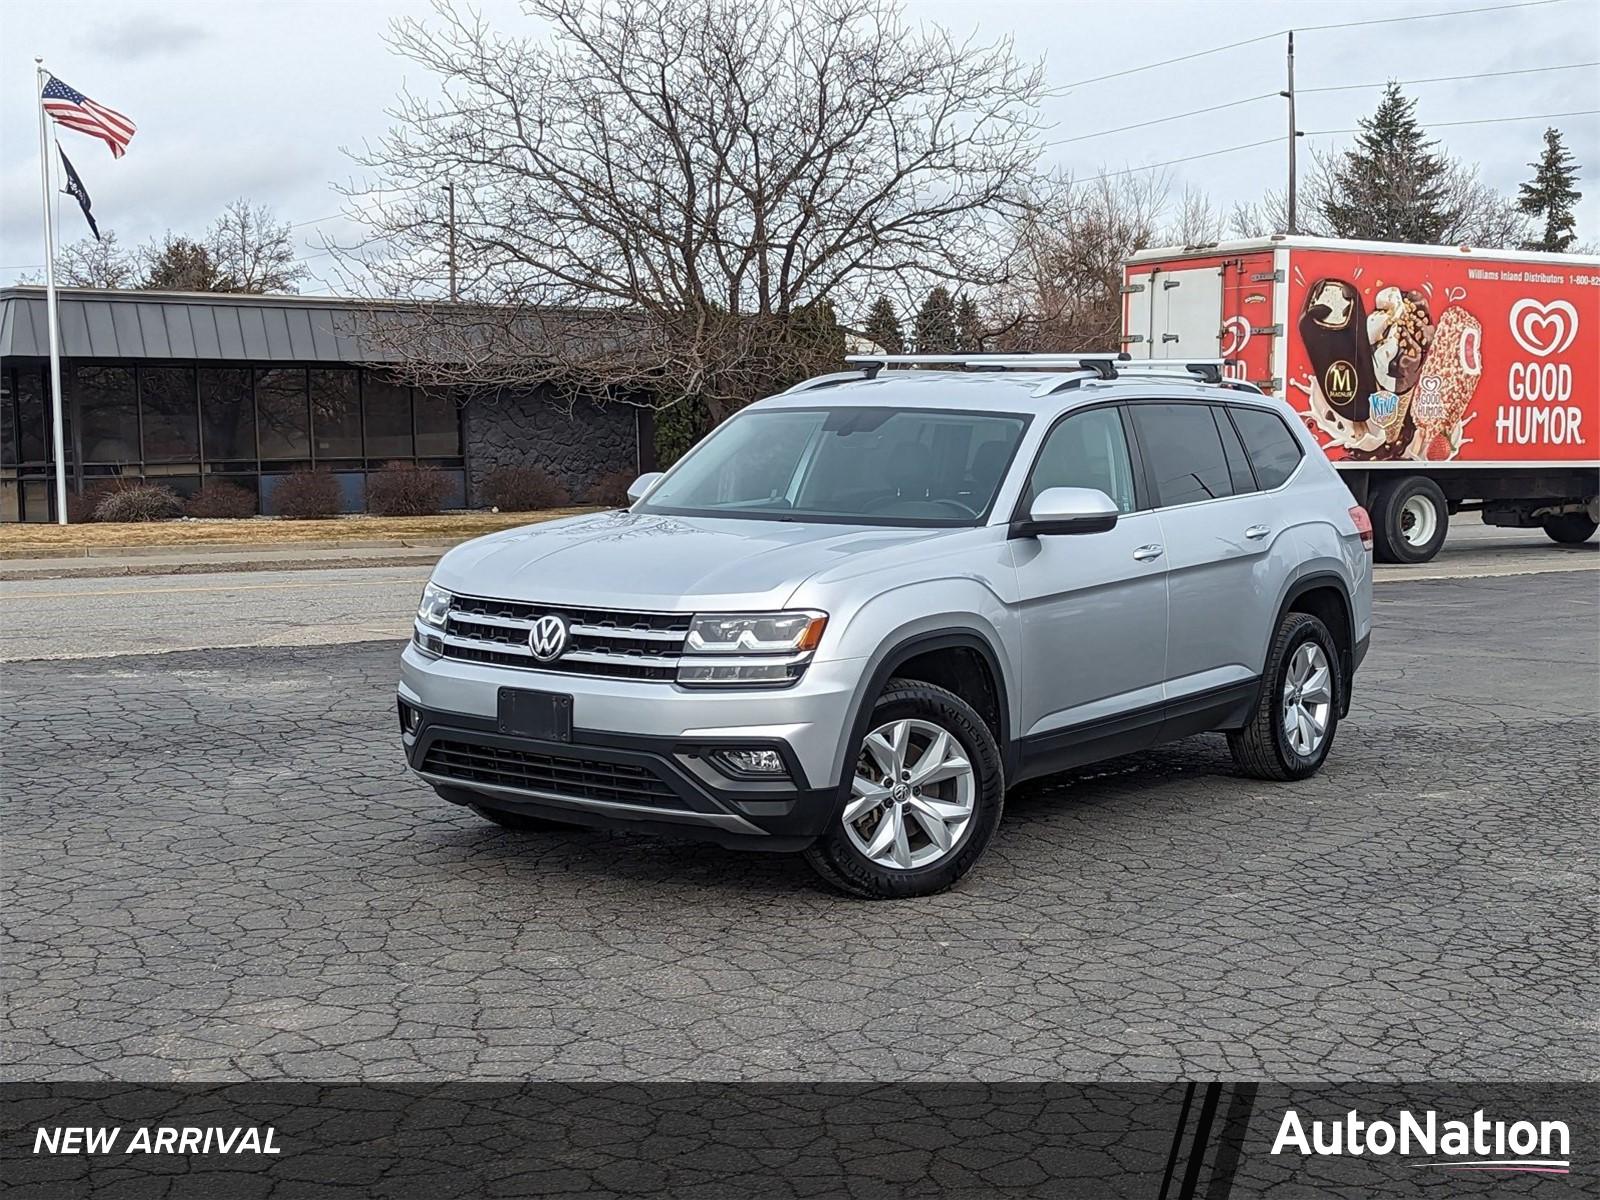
<point>58,439</point>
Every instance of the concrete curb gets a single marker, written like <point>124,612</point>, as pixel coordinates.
<point>105,570</point>
<point>202,548</point>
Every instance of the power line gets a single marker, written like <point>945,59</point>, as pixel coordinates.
<point>1343,87</point>
<point>1193,112</point>
<point>1277,33</point>
<point>1586,112</point>
<point>1350,87</point>
<point>1186,158</point>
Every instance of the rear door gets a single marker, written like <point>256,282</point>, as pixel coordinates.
<point>1219,533</point>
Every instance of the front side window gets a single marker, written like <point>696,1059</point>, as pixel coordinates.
<point>869,466</point>
<point>1087,450</point>
<point>1183,452</point>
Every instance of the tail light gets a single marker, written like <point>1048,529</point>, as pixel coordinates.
<point>1363,525</point>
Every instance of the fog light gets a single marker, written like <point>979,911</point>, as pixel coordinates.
<point>749,763</point>
<point>410,718</point>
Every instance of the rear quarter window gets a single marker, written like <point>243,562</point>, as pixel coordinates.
<point>1274,451</point>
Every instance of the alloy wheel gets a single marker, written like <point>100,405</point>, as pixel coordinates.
<point>912,796</point>
<point>1307,699</point>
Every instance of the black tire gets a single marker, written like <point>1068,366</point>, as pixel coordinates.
<point>1570,529</point>
<point>1261,749</point>
<point>837,860</point>
<point>1392,524</point>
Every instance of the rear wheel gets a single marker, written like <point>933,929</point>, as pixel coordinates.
<point>1297,712</point>
<point>1570,529</point>
<point>1410,518</point>
<point>925,797</point>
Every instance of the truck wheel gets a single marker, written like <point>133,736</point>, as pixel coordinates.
<point>1410,517</point>
<point>924,798</point>
<point>1297,712</point>
<point>1570,528</point>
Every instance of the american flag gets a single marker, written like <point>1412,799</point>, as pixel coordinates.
<point>73,110</point>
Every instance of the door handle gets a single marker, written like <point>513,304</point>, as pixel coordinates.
<point>1256,532</point>
<point>1146,553</point>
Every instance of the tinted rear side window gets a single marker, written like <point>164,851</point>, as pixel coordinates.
<point>1274,451</point>
<point>1238,463</point>
<point>1183,452</point>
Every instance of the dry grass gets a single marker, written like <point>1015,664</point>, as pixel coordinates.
<point>16,540</point>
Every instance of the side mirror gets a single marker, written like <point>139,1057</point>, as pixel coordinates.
<point>641,485</point>
<point>1067,510</point>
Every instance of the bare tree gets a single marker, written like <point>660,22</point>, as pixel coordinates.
<point>252,250</point>
<point>671,196</point>
<point>174,263</point>
<point>93,264</point>
<point>1068,251</point>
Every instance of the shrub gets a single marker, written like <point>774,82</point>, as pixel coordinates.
<point>406,490</point>
<point>219,498</point>
<point>522,489</point>
<point>81,508</point>
<point>139,502</point>
<point>612,489</point>
<point>308,495</point>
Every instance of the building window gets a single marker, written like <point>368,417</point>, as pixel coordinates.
<point>335,413</point>
<point>109,408</point>
<point>438,425</point>
<point>228,416</point>
<point>33,441</point>
<point>282,416</point>
<point>8,419</point>
<point>388,409</point>
<point>168,413</point>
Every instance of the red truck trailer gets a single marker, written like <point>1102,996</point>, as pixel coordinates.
<point>1438,379</point>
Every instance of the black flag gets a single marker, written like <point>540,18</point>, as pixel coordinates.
<point>78,192</point>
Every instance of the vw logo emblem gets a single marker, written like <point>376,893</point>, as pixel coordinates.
<point>548,637</point>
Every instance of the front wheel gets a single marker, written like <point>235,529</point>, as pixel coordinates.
<point>1570,529</point>
<point>926,794</point>
<point>1297,712</point>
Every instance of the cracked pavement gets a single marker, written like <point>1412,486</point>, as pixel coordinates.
<point>217,868</point>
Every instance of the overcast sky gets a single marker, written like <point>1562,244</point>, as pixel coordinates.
<point>258,98</point>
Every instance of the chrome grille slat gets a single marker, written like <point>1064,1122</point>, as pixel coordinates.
<point>608,643</point>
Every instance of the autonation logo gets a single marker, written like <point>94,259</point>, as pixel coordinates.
<point>1478,1144</point>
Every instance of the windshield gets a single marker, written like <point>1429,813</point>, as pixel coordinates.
<point>866,466</point>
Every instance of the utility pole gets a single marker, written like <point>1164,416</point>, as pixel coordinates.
<point>450,191</point>
<point>1294,136</point>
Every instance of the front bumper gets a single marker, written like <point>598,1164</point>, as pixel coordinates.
<point>638,754</point>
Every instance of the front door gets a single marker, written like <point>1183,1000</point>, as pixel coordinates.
<point>1093,607</point>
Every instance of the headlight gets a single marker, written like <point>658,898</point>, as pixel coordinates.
<point>756,633</point>
<point>435,607</point>
<point>770,649</point>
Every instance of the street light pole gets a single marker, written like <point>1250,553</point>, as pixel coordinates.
<point>450,191</point>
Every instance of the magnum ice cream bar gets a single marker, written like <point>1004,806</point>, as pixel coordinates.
<point>1333,329</point>
<point>1449,376</point>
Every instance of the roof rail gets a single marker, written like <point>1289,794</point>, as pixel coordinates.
<point>833,380</point>
<point>1104,365</point>
<point>1208,369</point>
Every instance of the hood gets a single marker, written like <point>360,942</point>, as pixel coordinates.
<point>628,560</point>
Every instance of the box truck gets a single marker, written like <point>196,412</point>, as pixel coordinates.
<point>1439,379</point>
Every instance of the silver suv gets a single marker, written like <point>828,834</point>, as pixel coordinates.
<point>855,614</point>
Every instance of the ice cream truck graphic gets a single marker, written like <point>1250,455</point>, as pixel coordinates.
<point>1438,379</point>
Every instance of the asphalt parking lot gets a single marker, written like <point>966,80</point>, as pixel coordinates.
<point>215,867</point>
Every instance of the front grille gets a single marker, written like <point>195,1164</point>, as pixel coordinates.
<point>612,643</point>
<point>552,774</point>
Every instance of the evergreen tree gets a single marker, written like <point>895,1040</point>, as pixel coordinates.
<point>936,323</point>
<point>969,326</point>
<point>883,327</point>
<point>1394,185</point>
<point>178,264</point>
<point>1551,196</point>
